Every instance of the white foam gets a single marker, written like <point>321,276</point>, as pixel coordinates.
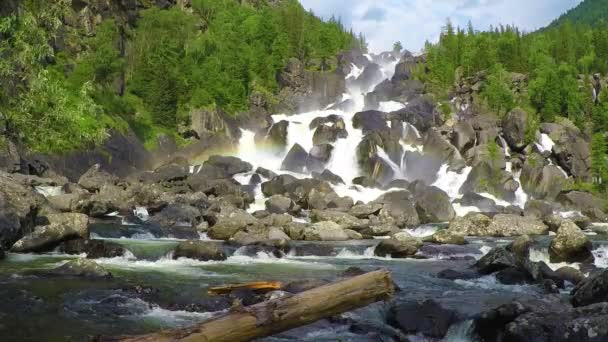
<point>601,256</point>
<point>390,106</point>
<point>355,72</point>
<point>422,231</point>
<point>141,213</point>
<point>545,144</point>
<point>490,282</point>
<point>538,255</point>
<point>451,181</point>
<point>48,191</point>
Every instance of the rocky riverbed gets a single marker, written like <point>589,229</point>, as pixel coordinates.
<point>483,236</point>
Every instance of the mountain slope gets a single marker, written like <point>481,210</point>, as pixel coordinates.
<point>588,12</point>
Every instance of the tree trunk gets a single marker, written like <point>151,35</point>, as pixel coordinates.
<point>275,316</point>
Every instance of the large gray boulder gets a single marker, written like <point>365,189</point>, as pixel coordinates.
<point>95,178</point>
<point>514,126</point>
<point>277,135</point>
<point>432,204</point>
<point>437,146</point>
<point>484,178</point>
<point>463,136</point>
<point>80,268</point>
<point>19,205</point>
<point>199,250</point>
<point>502,225</point>
<point>398,208</point>
<point>591,290</point>
<point>400,245</point>
<point>229,165</point>
<point>472,224</point>
<point>295,160</point>
<point>325,231</point>
<point>570,244</point>
<point>345,220</point>
<point>542,181</point>
<point>229,222</point>
<point>279,204</point>
<point>61,227</point>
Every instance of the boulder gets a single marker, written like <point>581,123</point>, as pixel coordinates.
<point>80,268</point>
<point>591,290</point>
<point>386,229</point>
<point>199,250</point>
<point>277,135</point>
<point>448,237</point>
<point>229,165</point>
<point>61,227</point>
<point>279,204</point>
<point>229,222</point>
<point>570,244</point>
<point>19,205</point>
<point>295,160</point>
<point>165,174</point>
<point>484,204</point>
<point>365,210</point>
<point>436,146</point>
<point>520,247</point>
<point>585,202</point>
<point>328,176</point>
<point>514,126</point>
<point>573,154</point>
<point>265,173</point>
<point>463,136</point>
<point>426,317</point>
<point>343,219</point>
<point>325,231</point>
<point>484,178</point>
<point>370,121</point>
<point>570,274</point>
<point>94,249</point>
<point>497,259</point>
<point>542,181</point>
<point>318,157</point>
<point>328,134</point>
<point>95,178</point>
<point>514,225</point>
<point>542,320</point>
<point>432,204</point>
<point>400,245</point>
<point>472,224</point>
<point>177,214</point>
<point>538,209</point>
<point>399,208</point>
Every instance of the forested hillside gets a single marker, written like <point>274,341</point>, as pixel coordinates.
<point>557,72</point>
<point>589,12</point>
<point>69,74</point>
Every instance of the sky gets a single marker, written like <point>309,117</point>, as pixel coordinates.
<point>415,21</point>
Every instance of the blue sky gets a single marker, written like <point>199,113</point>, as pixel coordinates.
<point>414,21</point>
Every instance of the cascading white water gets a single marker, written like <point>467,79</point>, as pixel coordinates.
<point>343,161</point>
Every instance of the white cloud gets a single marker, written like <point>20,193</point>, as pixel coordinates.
<point>414,21</point>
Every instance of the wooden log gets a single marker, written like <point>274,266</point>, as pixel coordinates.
<point>275,316</point>
<point>260,286</point>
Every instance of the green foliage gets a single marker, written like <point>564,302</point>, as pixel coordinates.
<point>497,90</point>
<point>494,151</point>
<point>61,90</point>
<point>599,162</point>
<point>589,12</point>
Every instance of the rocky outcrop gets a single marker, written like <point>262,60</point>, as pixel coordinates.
<point>229,222</point>
<point>303,90</point>
<point>484,178</point>
<point>570,244</point>
<point>543,320</point>
<point>94,249</point>
<point>60,227</point>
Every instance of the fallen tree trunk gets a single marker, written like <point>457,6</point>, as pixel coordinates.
<point>275,316</point>
<point>260,286</point>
